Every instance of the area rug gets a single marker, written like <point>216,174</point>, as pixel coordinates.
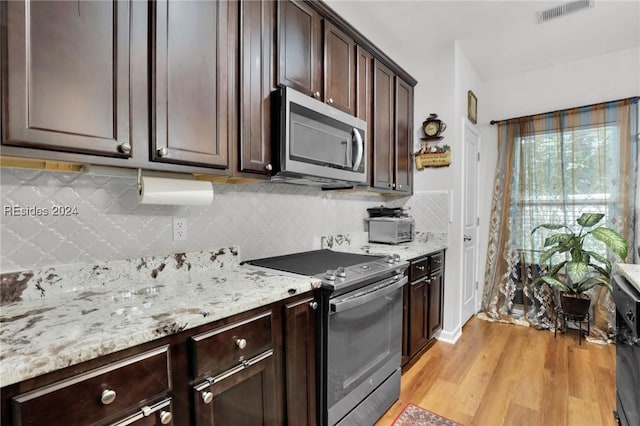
<point>412,415</point>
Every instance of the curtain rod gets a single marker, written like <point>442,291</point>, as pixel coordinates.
<point>492,122</point>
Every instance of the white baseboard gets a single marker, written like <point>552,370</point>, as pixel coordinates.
<point>450,336</point>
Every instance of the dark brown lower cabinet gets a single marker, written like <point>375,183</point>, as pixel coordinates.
<point>112,393</point>
<point>253,368</point>
<point>300,362</point>
<point>423,305</point>
<point>418,315</point>
<point>436,288</point>
<point>244,395</point>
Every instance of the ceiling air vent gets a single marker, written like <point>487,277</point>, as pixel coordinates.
<point>564,9</point>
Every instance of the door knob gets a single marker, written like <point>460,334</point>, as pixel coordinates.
<point>467,237</point>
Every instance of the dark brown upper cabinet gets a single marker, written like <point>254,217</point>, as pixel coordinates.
<point>339,69</point>
<point>316,57</point>
<point>364,91</point>
<point>404,136</point>
<point>392,168</point>
<point>66,76</point>
<point>257,81</point>
<point>194,72</point>
<point>300,47</point>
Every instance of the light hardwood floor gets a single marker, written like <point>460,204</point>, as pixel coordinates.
<point>501,374</point>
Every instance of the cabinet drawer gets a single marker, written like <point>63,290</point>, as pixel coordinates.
<point>419,268</point>
<point>97,395</point>
<point>224,347</point>
<point>437,261</point>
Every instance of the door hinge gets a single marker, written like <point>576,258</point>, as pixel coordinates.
<point>477,221</point>
<point>478,156</point>
<point>476,285</point>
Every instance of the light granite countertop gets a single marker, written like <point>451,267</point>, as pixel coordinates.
<point>631,272</point>
<point>423,243</point>
<point>64,316</point>
<point>58,317</point>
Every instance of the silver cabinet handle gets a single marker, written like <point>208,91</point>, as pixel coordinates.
<point>207,397</point>
<point>165,417</point>
<point>313,305</point>
<point>268,167</point>
<point>399,186</point>
<point>393,185</point>
<point>124,147</point>
<point>163,152</point>
<point>467,237</point>
<point>108,396</point>
<point>420,268</point>
<point>330,101</point>
<point>241,343</point>
<point>316,95</point>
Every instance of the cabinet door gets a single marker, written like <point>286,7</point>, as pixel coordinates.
<point>243,396</point>
<point>193,60</point>
<point>66,79</point>
<point>339,69</point>
<point>403,136</point>
<point>299,47</point>
<point>418,315</point>
<point>257,81</point>
<point>436,287</point>
<point>384,129</point>
<point>364,90</point>
<point>300,362</point>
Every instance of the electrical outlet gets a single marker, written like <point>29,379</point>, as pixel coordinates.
<point>179,229</point>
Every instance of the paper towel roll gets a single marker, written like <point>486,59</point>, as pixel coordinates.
<point>177,192</point>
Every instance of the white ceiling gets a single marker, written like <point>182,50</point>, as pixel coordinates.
<point>499,38</point>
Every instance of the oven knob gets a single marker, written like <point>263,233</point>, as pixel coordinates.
<point>389,259</point>
<point>396,258</point>
<point>330,275</point>
<point>341,273</point>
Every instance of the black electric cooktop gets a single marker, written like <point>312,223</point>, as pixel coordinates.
<point>313,262</point>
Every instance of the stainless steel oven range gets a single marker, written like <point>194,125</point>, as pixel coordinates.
<point>360,330</point>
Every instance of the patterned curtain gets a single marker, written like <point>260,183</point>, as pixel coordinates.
<point>552,168</point>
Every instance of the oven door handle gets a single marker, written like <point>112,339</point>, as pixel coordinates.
<point>354,302</point>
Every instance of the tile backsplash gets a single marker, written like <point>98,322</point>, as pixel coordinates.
<point>105,221</point>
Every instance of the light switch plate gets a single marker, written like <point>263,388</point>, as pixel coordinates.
<point>179,229</point>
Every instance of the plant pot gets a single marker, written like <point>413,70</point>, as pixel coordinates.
<point>576,306</point>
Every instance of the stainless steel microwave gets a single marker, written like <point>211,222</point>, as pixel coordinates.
<point>317,144</point>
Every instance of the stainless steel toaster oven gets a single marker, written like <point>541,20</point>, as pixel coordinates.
<point>391,230</point>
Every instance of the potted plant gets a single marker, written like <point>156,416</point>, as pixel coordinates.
<point>582,269</point>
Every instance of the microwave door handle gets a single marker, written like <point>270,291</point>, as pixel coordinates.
<point>356,134</point>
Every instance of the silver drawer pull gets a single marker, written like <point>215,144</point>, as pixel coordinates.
<point>207,397</point>
<point>241,343</point>
<point>421,268</point>
<point>313,305</point>
<point>125,147</point>
<point>165,417</point>
<point>108,396</point>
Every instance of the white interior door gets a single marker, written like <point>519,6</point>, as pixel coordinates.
<point>470,226</point>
